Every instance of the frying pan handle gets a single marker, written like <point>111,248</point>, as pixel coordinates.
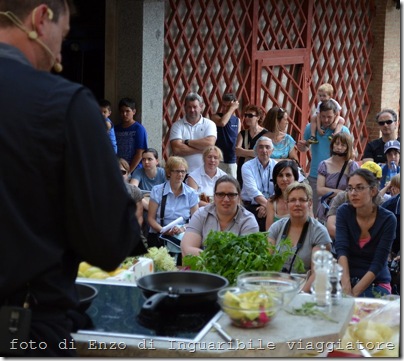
<point>152,302</point>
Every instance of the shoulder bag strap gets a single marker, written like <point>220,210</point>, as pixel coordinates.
<point>163,206</point>
<point>299,243</point>
<point>246,142</point>
<point>341,174</point>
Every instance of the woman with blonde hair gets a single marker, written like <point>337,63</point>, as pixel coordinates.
<point>169,201</point>
<point>305,233</point>
<point>203,179</point>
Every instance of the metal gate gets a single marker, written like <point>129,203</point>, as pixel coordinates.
<point>269,52</point>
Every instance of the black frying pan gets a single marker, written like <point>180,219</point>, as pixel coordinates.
<point>182,288</point>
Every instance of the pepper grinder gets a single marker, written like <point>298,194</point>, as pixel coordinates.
<point>321,287</point>
<point>335,280</point>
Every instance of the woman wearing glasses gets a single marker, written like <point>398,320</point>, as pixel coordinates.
<point>276,122</point>
<point>364,235</point>
<point>169,201</point>
<point>246,139</point>
<point>305,233</point>
<point>225,214</point>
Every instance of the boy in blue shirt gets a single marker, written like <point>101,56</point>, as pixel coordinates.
<point>106,110</point>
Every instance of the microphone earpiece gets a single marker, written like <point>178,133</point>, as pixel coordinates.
<point>50,13</point>
<point>33,35</point>
<point>57,67</point>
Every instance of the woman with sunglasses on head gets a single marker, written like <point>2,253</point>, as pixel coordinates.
<point>169,201</point>
<point>246,139</point>
<point>276,122</point>
<point>225,214</point>
<point>364,235</point>
<point>305,233</point>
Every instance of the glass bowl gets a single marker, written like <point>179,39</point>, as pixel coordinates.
<point>249,309</point>
<point>284,285</point>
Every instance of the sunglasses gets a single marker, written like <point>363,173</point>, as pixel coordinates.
<point>281,112</point>
<point>249,115</point>
<point>388,122</point>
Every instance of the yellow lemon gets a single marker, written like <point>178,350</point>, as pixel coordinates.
<point>99,275</point>
<point>92,270</point>
<point>116,272</point>
<point>84,266</point>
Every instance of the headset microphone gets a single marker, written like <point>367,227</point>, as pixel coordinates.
<point>33,35</point>
<point>57,67</point>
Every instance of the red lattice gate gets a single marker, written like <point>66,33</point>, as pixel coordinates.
<point>269,52</point>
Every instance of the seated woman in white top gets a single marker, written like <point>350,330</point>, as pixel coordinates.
<point>169,201</point>
<point>203,179</point>
<point>225,214</point>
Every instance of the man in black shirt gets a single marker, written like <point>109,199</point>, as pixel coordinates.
<point>374,151</point>
<point>62,195</point>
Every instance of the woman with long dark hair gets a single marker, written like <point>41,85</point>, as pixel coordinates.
<point>364,235</point>
<point>284,173</point>
<point>276,122</point>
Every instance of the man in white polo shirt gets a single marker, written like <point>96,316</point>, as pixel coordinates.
<point>190,135</point>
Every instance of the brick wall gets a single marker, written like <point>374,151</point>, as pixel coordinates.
<point>384,89</point>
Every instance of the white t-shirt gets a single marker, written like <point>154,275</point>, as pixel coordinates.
<point>181,129</point>
<point>204,182</point>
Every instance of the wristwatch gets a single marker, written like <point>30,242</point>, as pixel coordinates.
<point>186,142</point>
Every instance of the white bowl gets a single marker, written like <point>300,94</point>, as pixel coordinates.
<point>284,284</point>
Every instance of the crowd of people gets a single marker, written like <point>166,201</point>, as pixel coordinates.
<point>243,176</point>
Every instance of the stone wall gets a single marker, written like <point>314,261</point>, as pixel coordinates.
<point>384,89</point>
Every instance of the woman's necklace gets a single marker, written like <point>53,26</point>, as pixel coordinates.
<point>225,222</point>
<point>254,132</point>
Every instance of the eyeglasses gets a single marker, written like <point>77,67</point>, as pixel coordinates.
<point>249,115</point>
<point>296,200</point>
<point>221,195</point>
<point>357,189</point>
<point>178,171</point>
<point>124,172</point>
<point>388,122</point>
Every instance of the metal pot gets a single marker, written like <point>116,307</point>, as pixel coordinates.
<point>180,289</point>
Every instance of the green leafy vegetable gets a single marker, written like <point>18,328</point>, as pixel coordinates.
<point>228,255</point>
<point>161,258</point>
<point>309,309</point>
